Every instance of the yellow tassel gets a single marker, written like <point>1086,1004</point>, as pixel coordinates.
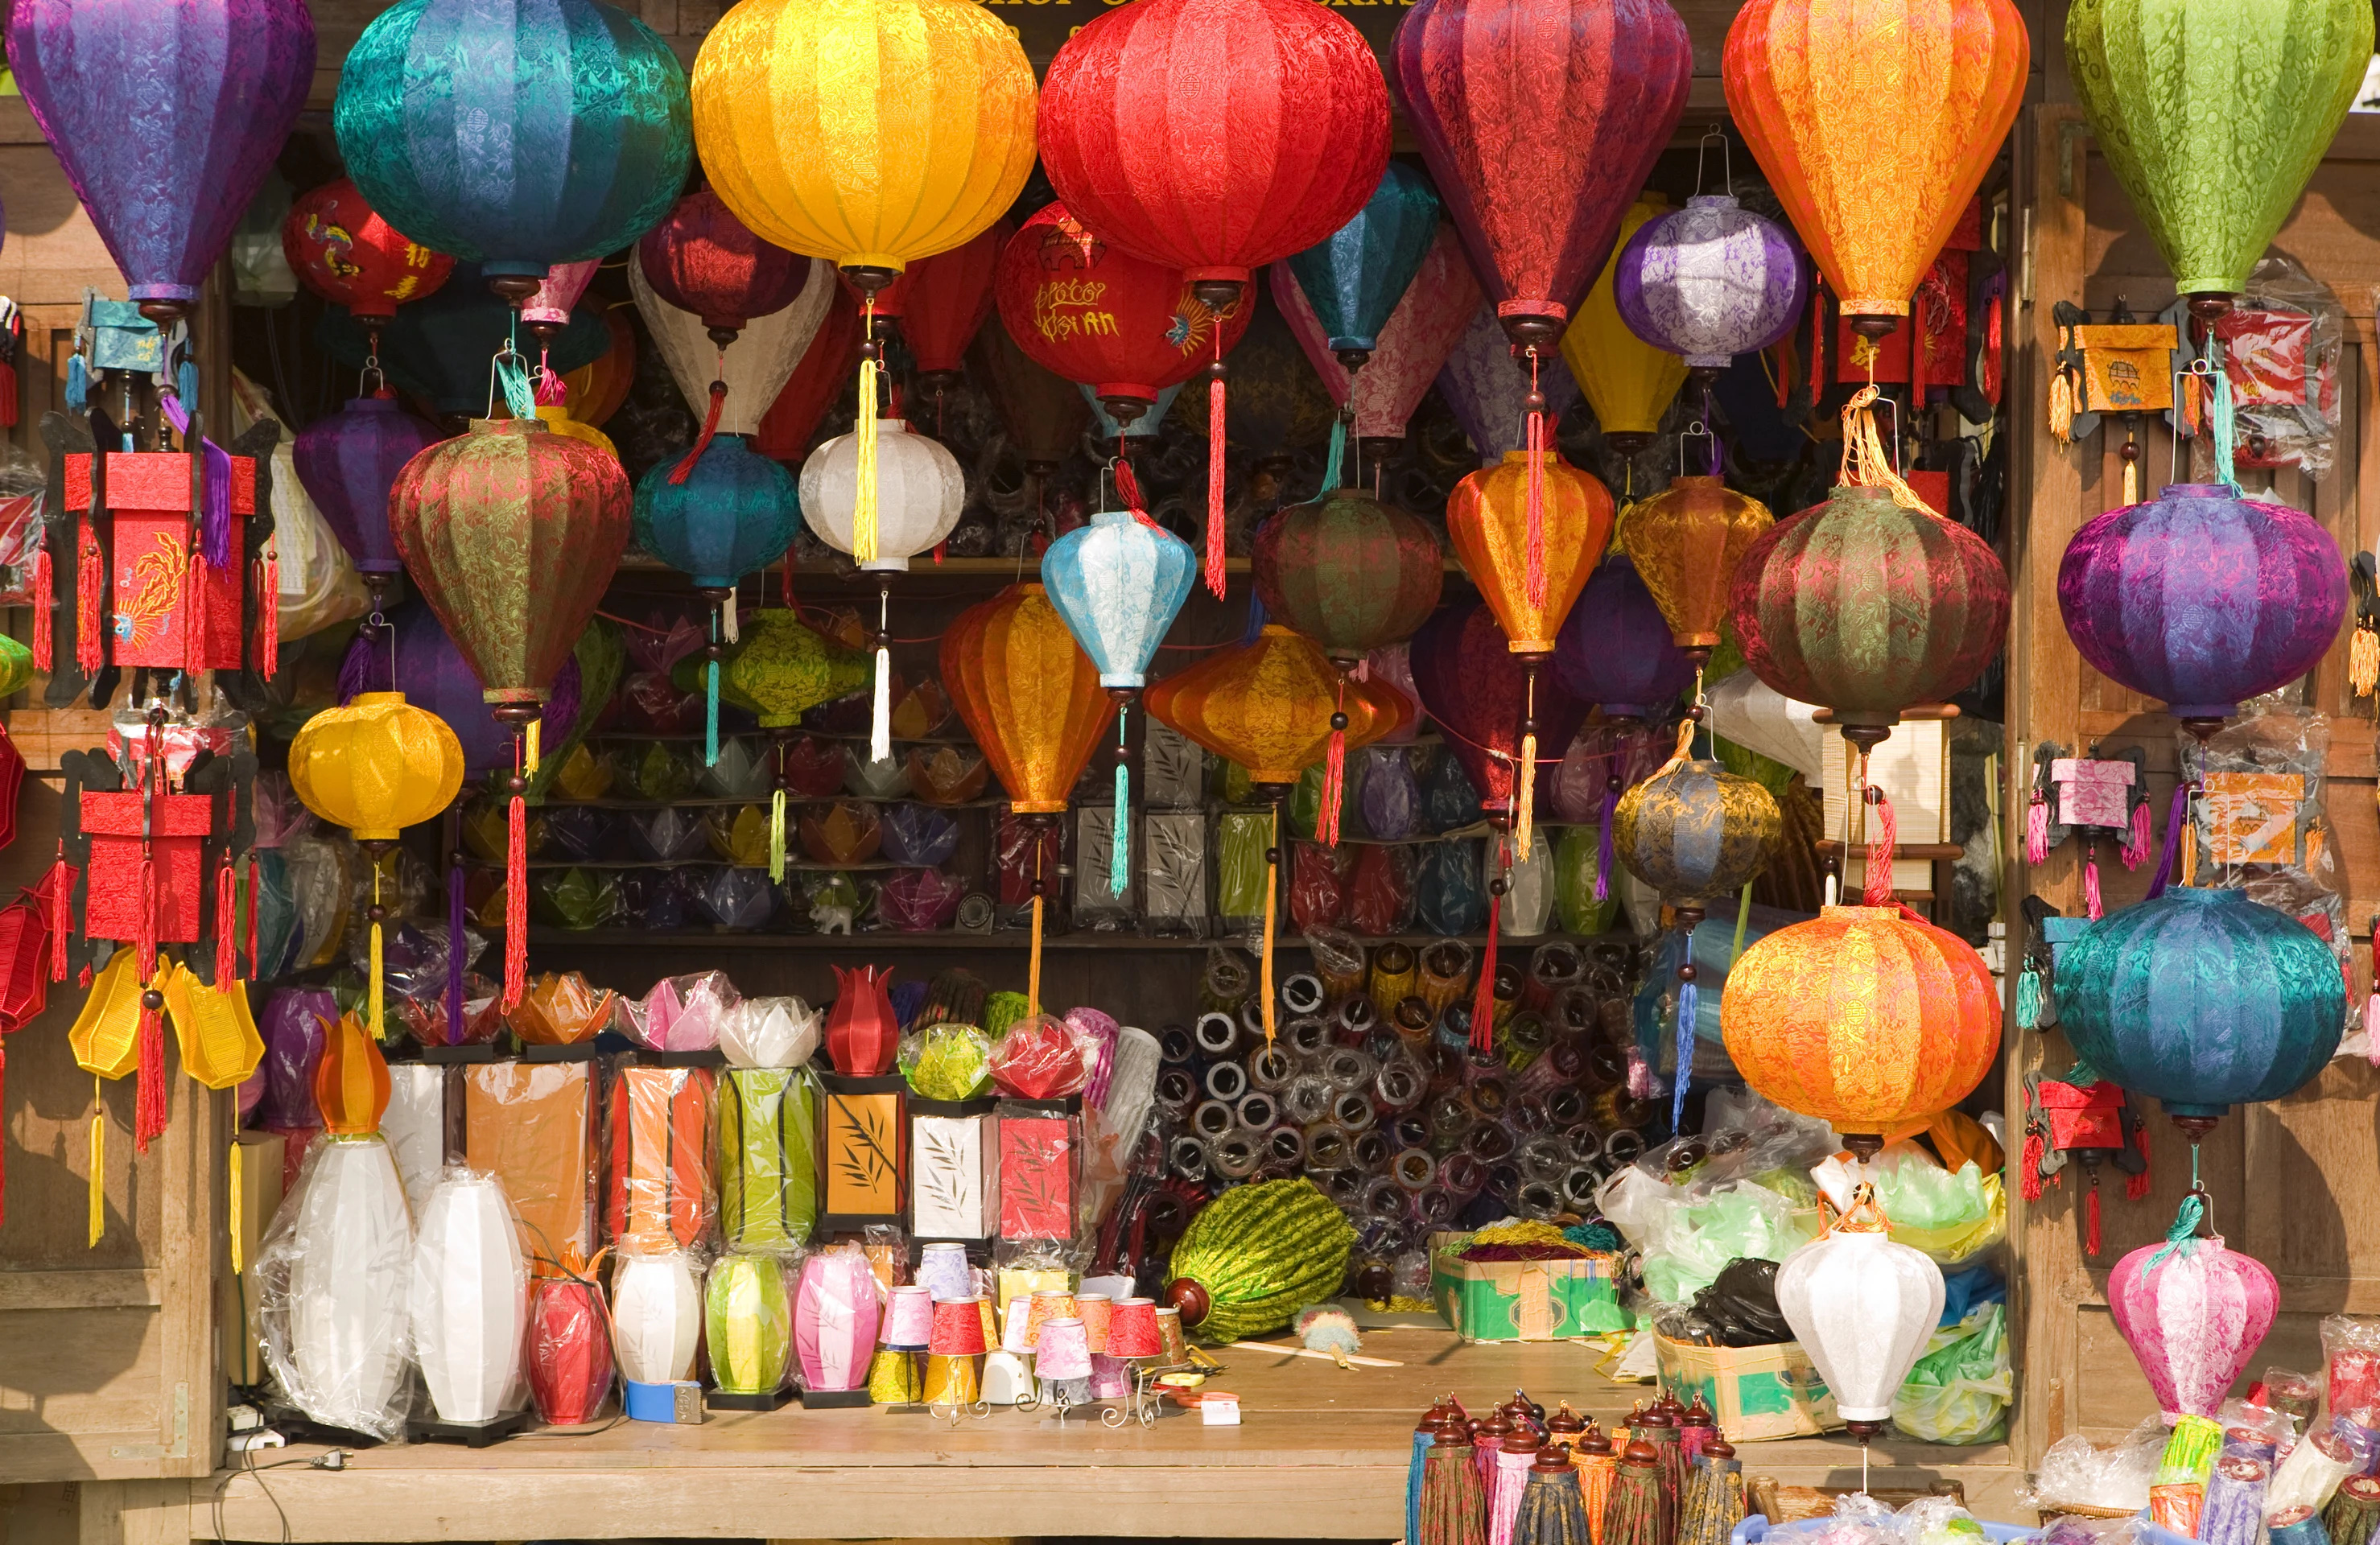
<point>98,1164</point>
<point>232,1195</point>
<point>862,509</point>
<point>1867,463</point>
<point>2131,483</point>
<point>528,753</point>
<point>1528,795</point>
<point>1272,890</point>
<point>377,980</point>
<point>2363,661</point>
<point>2188,838</point>
<point>777,838</point>
<point>1033,970</point>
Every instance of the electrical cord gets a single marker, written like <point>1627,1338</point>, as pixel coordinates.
<point>337,1459</point>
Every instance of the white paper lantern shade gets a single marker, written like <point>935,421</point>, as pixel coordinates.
<point>656,1330</point>
<point>469,1301</point>
<point>333,1273</point>
<point>1862,1308</point>
<point>1747,710</point>
<point>754,367</point>
<point>414,1127</point>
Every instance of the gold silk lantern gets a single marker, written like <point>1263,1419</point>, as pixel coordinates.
<point>1626,380</point>
<point>376,767</point>
<point>1686,541</point>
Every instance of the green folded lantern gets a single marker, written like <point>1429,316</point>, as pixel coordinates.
<point>768,1174</point>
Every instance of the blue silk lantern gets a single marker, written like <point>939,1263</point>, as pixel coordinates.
<point>1118,583</point>
<point>348,461</point>
<point>516,134</point>
<point>2202,998</point>
<point>732,514</point>
<point>1614,649</point>
<point>1354,277</point>
<point>166,114</point>
<point>1709,282</point>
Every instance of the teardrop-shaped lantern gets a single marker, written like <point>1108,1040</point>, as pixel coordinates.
<point>1614,650</point>
<point>1473,685</point>
<point>1490,398</point>
<point>1488,521</point>
<point>1685,542</point>
<point>1627,382</point>
<point>348,462</point>
<point>2193,1311</point>
<point>1354,277</point>
<point>1413,344</point>
<point>1862,1308</point>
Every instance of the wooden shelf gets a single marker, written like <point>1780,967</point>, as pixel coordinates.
<point>1001,939</point>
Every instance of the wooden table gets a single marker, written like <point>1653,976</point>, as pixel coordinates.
<point>1320,1454</point>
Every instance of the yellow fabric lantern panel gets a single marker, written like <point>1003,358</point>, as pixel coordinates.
<point>872,133</point>
<point>1266,705</point>
<point>1488,520</point>
<point>218,1036</point>
<point>105,1036</point>
<point>558,421</point>
<point>377,766</point>
<point>1686,541</point>
<point>1626,380</point>
<point>1862,1016</point>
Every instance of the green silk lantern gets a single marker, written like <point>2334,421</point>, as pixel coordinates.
<point>2214,115</point>
<point>748,1326</point>
<point>1349,572</point>
<point>783,670</point>
<point>768,1180</point>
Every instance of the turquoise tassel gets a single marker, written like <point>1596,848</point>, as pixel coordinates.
<point>1687,1007</point>
<point>710,718</point>
<point>77,385</point>
<point>1120,844</point>
<point>513,377</point>
<point>186,383</point>
<point>2028,999</point>
<point>1333,463</point>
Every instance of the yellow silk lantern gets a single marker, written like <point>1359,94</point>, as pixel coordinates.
<point>1626,380</point>
<point>1685,542</point>
<point>559,421</point>
<point>376,767</point>
<point>1488,517</point>
<point>1864,1017</point>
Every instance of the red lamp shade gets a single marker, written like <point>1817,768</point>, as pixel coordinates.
<point>569,1350</point>
<point>701,259</point>
<point>1477,689</point>
<point>958,1329</point>
<point>1131,1329</point>
<point>861,1032</point>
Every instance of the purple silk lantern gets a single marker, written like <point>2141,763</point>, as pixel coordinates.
<point>1489,396</point>
<point>432,675</point>
<point>2202,597</point>
<point>165,114</point>
<point>1477,689</point>
<point>2194,1313</point>
<point>294,1022</point>
<point>1390,798</point>
<point>348,462</point>
<point>1614,648</point>
<point>1709,282</point>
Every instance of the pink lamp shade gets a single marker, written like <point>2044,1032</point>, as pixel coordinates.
<point>1096,1310</point>
<point>1064,1350</point>
<point>909,1320</point>
<point>1110,1377</point>
<point>958,1329</point>
<point>1131,1329</point>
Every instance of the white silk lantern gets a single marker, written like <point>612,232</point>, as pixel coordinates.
<point>656,1328</point>
<point>469,1299</point>
<point>340,1252</point>
<point>754,368</point>
<point>1862,1308</point>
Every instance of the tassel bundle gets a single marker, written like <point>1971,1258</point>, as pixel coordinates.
<point>1120,835</point>
<point>2136,836</point>
<point>44,598</point>
<point>1880,843</point>
<point>1215,469</point>
<point>2093,905</point>
<point>777,837</point>
<point>226,925</point>
<point>2036,828</point>
<point>1454,1507</point>
<point>2028,1172</point>
<point>268,609</point>
<point>1713,1504</point>
<point>1424,1437</point>
<point>1689,1009</point>
<point>1660,1430</point>
<point>1551,1509</point>
<point>1483,996</point>
<point>1633,1516</point>
<point>2091,1237</point>
<point>1334,773</point>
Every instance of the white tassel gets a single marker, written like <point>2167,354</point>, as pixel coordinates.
<point>880,740</point>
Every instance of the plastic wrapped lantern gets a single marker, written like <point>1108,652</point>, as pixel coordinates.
<point>1685,543</point>
<point>468,1300</point>
<point>2200,997</point>
<point>656,1330</point>
<point>1627,382</point>
<point>1864,1017</point>
<point>749,1327</point>
<point>340,249</point>
<point>2193,1311</point>
<point>1295,134</point>
<point>348,461</point>
<point>1862,1307</point>
<point>376,767</point>
<point>1709,282</point>
<point>516,136</point>
<point>784,669</point>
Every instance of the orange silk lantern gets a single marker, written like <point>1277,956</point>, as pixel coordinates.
<point>1875,123</point>
<point>351,1081</point>
<point>1686,541</point>
<point>1865,1016</point>
<point>1033,701</point>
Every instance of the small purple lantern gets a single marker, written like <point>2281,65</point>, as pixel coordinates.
<point>348,461</point>
<point>1489,398</point>
<point>1614,648</point>
<point>2202,597</point>
<point>1710,282</point>
<point>165,114</point>
<point>432,675</point>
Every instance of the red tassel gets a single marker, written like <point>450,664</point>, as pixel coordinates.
<point>1334,776</point>
<point>1880,843</point>
<point>61,891</point>
<point>517,903</point>
<point>91,641</point>
<point>149,1105</point>
<point>684,468</point>
<point>785,579</point>
<point>268,613</point>
<point>2028,1172</point>
<point>2136,1187</point>
<point>1215,457</point>
<point>255,892</point>
<point>43,600</point>
<point>2091,1221</point>
<point>1483,998</point>
<point>227,927</point>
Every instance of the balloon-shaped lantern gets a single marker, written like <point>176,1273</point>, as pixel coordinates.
<point>1032,699</point>
<point>871,134</point>
<point>1489,401</point>
<point>342,249</point>
<point>1614,649</point>
<point>749,376</point>
<point>512,534</point>
<point>1119,581</point>
<point>1685,543</point>
<point>2202,997</point>
<point>2202,598</point>
<point>702,260</point>
<point>1354,279</point>
<point>2193,1312</point>
<point>1709,282</point>
<point>348,461</point>
<point>2213,115</point>
<point>950,295</point>
<point>1438,305</point>
<point>1863,1306</point>
<point>1876,124</point>
<point>1627,382</point>
<point>516,134</point>
<point>1864,1017</point>
<point>1293,137</point>
<point>165,119</point>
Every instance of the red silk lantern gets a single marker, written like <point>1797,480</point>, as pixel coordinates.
<point>816,380</point>
<point>1876,124</point>
<point>164,601</point>
<point>25,933</point>
<point>950,295</point>
<point>1292,138</point>
<point>340,249</point>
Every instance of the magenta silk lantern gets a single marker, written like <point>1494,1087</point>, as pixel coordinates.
<point>1420,333</point>
<point>2193,1312</point>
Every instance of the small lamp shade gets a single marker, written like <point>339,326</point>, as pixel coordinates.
<point>469,1299</point>
<point>1061,1350</point>
<point>749,1323</point>
<point>919,492</point>
<point>2194,1313</point>
<point>1862,1307</point>
<point>909,1319</point>
<point>957,1329</point>
<point>656,1317</point>
<point>836,1312</point>
<point>1131,1329</point>
<point>1098,1312</point>
<point>551,305</point>
<point>376,765</point>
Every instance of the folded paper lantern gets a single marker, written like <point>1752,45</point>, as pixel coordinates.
<point>569,1351</point>
<point>660,1182</point>
<point>768,1182</point>
<point>561,1010</point>
<point>770,1033</point>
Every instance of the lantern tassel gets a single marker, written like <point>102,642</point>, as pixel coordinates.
<point>1603,840</point>
<point>1033,965</point>
<point>1483,994</point>
<point>879,729</point>
<point>684,468</point>
<point>377,985</point>
<point>1536,440</point>
<point>1334,460</point>
<point>2091,1238</point>
<point>863,435</point>
<point>90,580</point>
<point>44,599</point>
<point>255,890</point>
<point>227,926</point>
<point>711,715</point>
<point>2136,836</point>
<point>777,838</point>
<point>97,1189</point>
<point>1271,916</point>
<point>2028,1167</point>
<point>1524,799</point>
<point>456,923</point>
<point>2136,1187</point>
<point>1119,843</point>
<point>2092,905</point>
<point>61,893</point>
<point>1334,773</point>
<point>1215,467</point>
<point>2036,828</point>
<point>2176,832</point>
<point>267,611</point>
<point>236,1204</point>
<point>2362,657</point>
<point>148,1105</point>
<point>1689,1004</point>
<point>516,900</point>
<point>1881,843</point>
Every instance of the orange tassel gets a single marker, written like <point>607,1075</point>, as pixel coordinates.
<point>268,613</point>
<point>1215,457</point>
<point>90,597</point>
<point>43,600</point>
<point>2090,1219</point>
<point>1272,917</point>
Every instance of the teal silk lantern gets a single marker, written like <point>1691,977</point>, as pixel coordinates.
<point>2202,998</point>
<point>1118,583</point>
<point>733,512</point>
<point>1354,277</point>
<point>516,134</point>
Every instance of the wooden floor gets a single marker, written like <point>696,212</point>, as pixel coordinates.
<point>1320,1454</point>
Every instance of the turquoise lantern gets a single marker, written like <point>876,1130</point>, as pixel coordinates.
<point>1118,583</point>
<point>2204,998</point>
<point>1354,277</point>
<point>516,134</point>
<point>732,514</point>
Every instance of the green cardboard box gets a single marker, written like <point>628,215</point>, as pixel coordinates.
<point>1523,1300</point>
<point>1758,1393</point>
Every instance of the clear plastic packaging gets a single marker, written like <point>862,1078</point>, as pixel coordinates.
<point>1041,1058</point>
<point>947,1062</point>
<point>560,1011</point>
<point>469,1299</point>
<point>1096,907</point>
<point>767,1158</point>
<point>533,1126</point>
<point>333,1276</point>
<point>660,1196</point>
<point>2075,1472</point>
<point>680,1013</point>
<point>770,1033</point>
<point>1173,871</point>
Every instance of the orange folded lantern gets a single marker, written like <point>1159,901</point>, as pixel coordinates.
<point>351,1081</point>
<point>1685,542</point>
<point>661,1193</point>
<point>1488,517</point>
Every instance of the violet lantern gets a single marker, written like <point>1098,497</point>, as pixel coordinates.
<point>348,461</point>
<point>1614,649</point>
<point>1709,282</point>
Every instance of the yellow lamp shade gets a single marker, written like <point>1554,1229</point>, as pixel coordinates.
<point>105,1037</point>
<point>558,420</point>
<point>1029,694</point>
<point>872,133</point>
<point>351,1081</point>
<point>219,1040</point>
<point>1686,541</point>
<point>1862,1016</point>
<point>1627,381</point>
<point>1488,517</point>
<point>1266,705</point>
<point>377,766</point>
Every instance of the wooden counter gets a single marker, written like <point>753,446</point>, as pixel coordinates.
<point>1320,1454</point>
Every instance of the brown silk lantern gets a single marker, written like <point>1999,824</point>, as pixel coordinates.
<point>1686,541</point>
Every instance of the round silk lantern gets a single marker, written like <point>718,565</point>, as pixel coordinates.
<point>1489,400</point>
<point>468,1300</point>
<point>1710,282</point>
<point>166,119</point>
<point>1864,1017</point>
<point>1866,607</point>
<point>2214,117</point>
<point>1862,1308</point>
<point>2204,998</point>
<point>1614,649</point>
<point>1470,681</point>
<point>1420,333</point>
<point>515,135</point>
<point>2193,1312</point>
<point>1354,278</point>
<point>1349,572</point>
<point>348,461</point>
<point>1927,89</point>
<point>702,260</point>
<point>1685,543</point>
<point>1629,382</point>
<point>341,248</point>
<point>2202,598</point>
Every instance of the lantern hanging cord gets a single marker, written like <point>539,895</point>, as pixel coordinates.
<point>684,468</point>
<point>1866,462</point>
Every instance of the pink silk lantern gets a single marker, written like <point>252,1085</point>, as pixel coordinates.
<point>1420,333</point>
<point>2194,1313</point>
<point>549,309</point>
<point>569,1350</point>
<point>836,1311</point>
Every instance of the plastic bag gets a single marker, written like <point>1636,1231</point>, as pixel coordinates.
<point>679,1013</point>
<point>919,834</point>
<point>1577,858</point>
<point>319,586</point>
<point>1174,870</point>
<point>1380,891</point>
<point>1448,896</point>
<point>1390,799</point>
<point>1961,1389</point>
<point>331,1276</point>
<point>1948,1216</point>
<point>1241,838</point>
<point>577,898</point>
<point>2075,1472</point>
<point>920,901</point>
<point>770,1033</point>
<point>1318,885</point>
<point>661,1197</point>
<point>2350,1350</point>
<point>767,1131</point>
<point>578,832</point>
<point>949,1062</point>
<point>738,898</point>
<point>1173,769</point>
<point>425,1018</point>
<point>1529,886</point>
<point>1022,851</point>
<point>1740,1304</point>
<point>2281,353</point>
<point>654,899</point>
<point>888,779</point>
<point>744,771</point>
<point>1041,1058</point>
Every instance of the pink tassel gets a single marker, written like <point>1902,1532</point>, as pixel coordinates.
<point>2037,830</point>
<point>684,468</point>
<point>1880,844</point>
<point>2136,837</point>
<point>516,904</point>
<point>1536,572</point>
<point>2091,903</point>
<point>551,390</point>
<point>1215,455</point>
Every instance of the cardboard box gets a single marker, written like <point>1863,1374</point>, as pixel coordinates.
<point>1758,1393</point>
<point>1523,1300</point>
